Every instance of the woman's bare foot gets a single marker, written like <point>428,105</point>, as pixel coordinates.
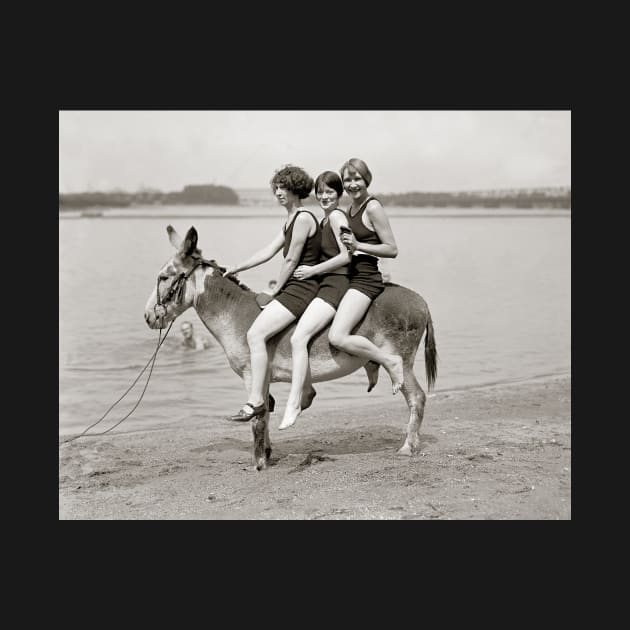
<point>394,367</point>
<point>291,414</point>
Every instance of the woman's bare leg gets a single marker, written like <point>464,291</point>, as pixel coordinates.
<point>314,318</point>
<point>272,320</point>
<point>352,308</point>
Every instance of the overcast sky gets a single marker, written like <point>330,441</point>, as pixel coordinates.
<point>405,150</point>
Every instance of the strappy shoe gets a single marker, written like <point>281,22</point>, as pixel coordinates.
<point>248,412</point>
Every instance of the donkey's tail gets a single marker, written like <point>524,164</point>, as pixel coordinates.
<point>430,354</point>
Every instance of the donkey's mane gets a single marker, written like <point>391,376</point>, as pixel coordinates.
<point>218,270</point>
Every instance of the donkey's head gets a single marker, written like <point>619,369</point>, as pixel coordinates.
<point>175,288</point>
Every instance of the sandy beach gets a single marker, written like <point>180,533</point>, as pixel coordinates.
<point>497,452</point>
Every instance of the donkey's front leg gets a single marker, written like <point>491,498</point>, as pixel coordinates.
<point>260,429</point>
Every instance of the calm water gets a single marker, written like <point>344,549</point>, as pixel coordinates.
<point>498,288</point>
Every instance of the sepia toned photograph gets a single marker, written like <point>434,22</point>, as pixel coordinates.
<point>314,314</point>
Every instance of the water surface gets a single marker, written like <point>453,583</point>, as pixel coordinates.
<point>497,284</point>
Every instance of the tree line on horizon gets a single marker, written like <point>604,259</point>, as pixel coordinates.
<point>205,194</point>
<point>190,195</point>
<point>511,199</point>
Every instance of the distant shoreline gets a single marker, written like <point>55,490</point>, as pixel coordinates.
<point>243,213</point>
<point>210,194</point>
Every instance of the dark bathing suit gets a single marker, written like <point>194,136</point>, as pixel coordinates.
<point>364,274</point>
<point>296,294</point>
<point>334,284</point>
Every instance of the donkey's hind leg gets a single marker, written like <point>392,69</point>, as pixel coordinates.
<point>308,393</point>
<point>371,368</point>
<point>415,397</point>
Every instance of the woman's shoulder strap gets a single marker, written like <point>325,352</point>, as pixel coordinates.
<point>318,227</point>
<point>312,215</point>
<point>365,203</point>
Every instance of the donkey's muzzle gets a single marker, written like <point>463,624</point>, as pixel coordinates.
<point>153,321</point>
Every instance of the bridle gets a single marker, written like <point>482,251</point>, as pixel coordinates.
<point>177,287</point>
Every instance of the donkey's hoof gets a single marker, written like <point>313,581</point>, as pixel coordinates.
<point>261,464</point>
<point>307,401</point>
<point>405,449</point>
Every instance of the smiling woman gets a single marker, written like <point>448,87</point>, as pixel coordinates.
<point>332,272</point>
<point>369,237</point>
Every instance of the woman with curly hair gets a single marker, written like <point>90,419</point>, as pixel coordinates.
<point>300,241</point>
<point>370,237</point>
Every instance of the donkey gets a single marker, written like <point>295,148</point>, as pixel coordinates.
<point>395,322</point>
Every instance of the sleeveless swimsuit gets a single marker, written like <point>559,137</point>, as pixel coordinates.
<point>364,274</point>
<point>333,284</point>
<point>296,294</point>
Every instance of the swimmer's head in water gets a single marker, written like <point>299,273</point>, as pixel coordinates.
<point>187,330</point>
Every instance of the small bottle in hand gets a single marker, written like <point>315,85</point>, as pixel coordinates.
<point>346,230</point>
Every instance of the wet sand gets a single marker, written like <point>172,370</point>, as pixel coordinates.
<point>500,452</point>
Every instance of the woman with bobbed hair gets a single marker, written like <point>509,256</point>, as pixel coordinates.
<point>300,240</point>
<point>371,237</point>
<point>332,271</point>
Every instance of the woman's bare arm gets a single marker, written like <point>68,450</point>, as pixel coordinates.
<point>261,256</point>
<point>387,248</point>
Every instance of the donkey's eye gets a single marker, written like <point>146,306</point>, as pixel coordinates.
<point>163,276</point>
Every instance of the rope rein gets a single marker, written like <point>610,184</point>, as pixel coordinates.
<point>152,361</point>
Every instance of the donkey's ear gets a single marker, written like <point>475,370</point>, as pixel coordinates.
<point>174,237</point>
<point>190,242</point>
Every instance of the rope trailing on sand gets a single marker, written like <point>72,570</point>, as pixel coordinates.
<point>152,361</point>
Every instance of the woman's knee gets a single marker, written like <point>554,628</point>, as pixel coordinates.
<point>255,337</point>
<point>298,340</point>
<point>337,338</point>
